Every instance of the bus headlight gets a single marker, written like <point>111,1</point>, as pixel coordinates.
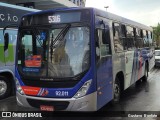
<point>83,90</point>
<point>19,88</point>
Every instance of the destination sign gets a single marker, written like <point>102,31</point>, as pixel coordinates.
<point>64,17</point>
<point>52,17</point>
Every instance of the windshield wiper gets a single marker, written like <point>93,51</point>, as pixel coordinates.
<point>59,38</point>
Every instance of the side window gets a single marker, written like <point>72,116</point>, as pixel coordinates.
<point>123,31</point>
<point>150,38</point>
<point>102,43</point>
<point>137,33</point>
<point>130,38</point>
<point>118,42</point>
<point>145,38</point>
<point>139,38</point>
<point>1,36</point>
<point>129,31</point>
<point>12,35</point>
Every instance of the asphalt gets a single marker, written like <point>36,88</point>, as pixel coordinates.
<point>139,99</point>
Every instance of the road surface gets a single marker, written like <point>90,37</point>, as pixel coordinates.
<point>141,97</point>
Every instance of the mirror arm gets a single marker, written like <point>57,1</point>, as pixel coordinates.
<point>9,26</point>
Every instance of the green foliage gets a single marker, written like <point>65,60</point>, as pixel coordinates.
<point>156,35</point>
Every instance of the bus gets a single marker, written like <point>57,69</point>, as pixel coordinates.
<point>88,57</point>
<point>9,15</point>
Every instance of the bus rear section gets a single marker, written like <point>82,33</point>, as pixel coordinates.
<point>9,18</point>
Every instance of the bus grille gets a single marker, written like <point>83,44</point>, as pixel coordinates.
<point>58,105</point>
<point>47,84</point>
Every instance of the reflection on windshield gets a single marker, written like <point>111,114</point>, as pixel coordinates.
<point>69,56</point>
<point>54,53</point>
<point>32,55</point>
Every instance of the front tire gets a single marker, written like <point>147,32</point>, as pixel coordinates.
<point>5,87</point>
<point>145,77</point>
<point>117,91</point>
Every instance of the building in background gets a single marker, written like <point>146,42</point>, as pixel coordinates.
<point>47,4</point>
<point>80,3</point>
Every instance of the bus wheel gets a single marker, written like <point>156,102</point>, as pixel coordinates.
<point>5,87</point>
<point>117,91</point>
<point>145,77</point>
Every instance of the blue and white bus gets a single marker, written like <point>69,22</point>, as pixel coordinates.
<point>79,59</point>
<point>9,15</point>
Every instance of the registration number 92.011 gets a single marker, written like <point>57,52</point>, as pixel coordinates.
<point>61,93</point>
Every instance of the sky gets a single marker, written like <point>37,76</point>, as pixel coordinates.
<point>143,11</point>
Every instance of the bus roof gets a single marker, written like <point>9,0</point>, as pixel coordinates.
<point>11,14</point>
<point>56,10</point>
<point>100,13</point>
<point>120,19</point>
<point>18,7</point>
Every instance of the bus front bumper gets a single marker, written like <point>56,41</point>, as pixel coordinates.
<point>86,103</point>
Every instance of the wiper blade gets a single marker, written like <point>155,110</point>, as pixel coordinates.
<point>61,35</point>
<point>59,38</point>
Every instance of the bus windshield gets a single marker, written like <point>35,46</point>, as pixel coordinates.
<point>57,52</point>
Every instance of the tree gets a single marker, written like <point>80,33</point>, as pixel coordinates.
<point>156,35</point>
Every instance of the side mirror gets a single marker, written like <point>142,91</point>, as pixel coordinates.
<point>6,35</point>
<point>6,41</point>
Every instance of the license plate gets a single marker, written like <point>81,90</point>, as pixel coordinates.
<point>46,108</point>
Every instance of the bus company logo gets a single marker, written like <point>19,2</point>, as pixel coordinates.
<point>8,18</point>
<point>43,92</point>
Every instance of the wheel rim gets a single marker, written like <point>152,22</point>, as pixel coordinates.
<point>3,87</point>
<point>116,92</point>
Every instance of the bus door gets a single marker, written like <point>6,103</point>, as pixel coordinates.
<point>130,57</point>
<point>104,67</point>
<point>10,48</point>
